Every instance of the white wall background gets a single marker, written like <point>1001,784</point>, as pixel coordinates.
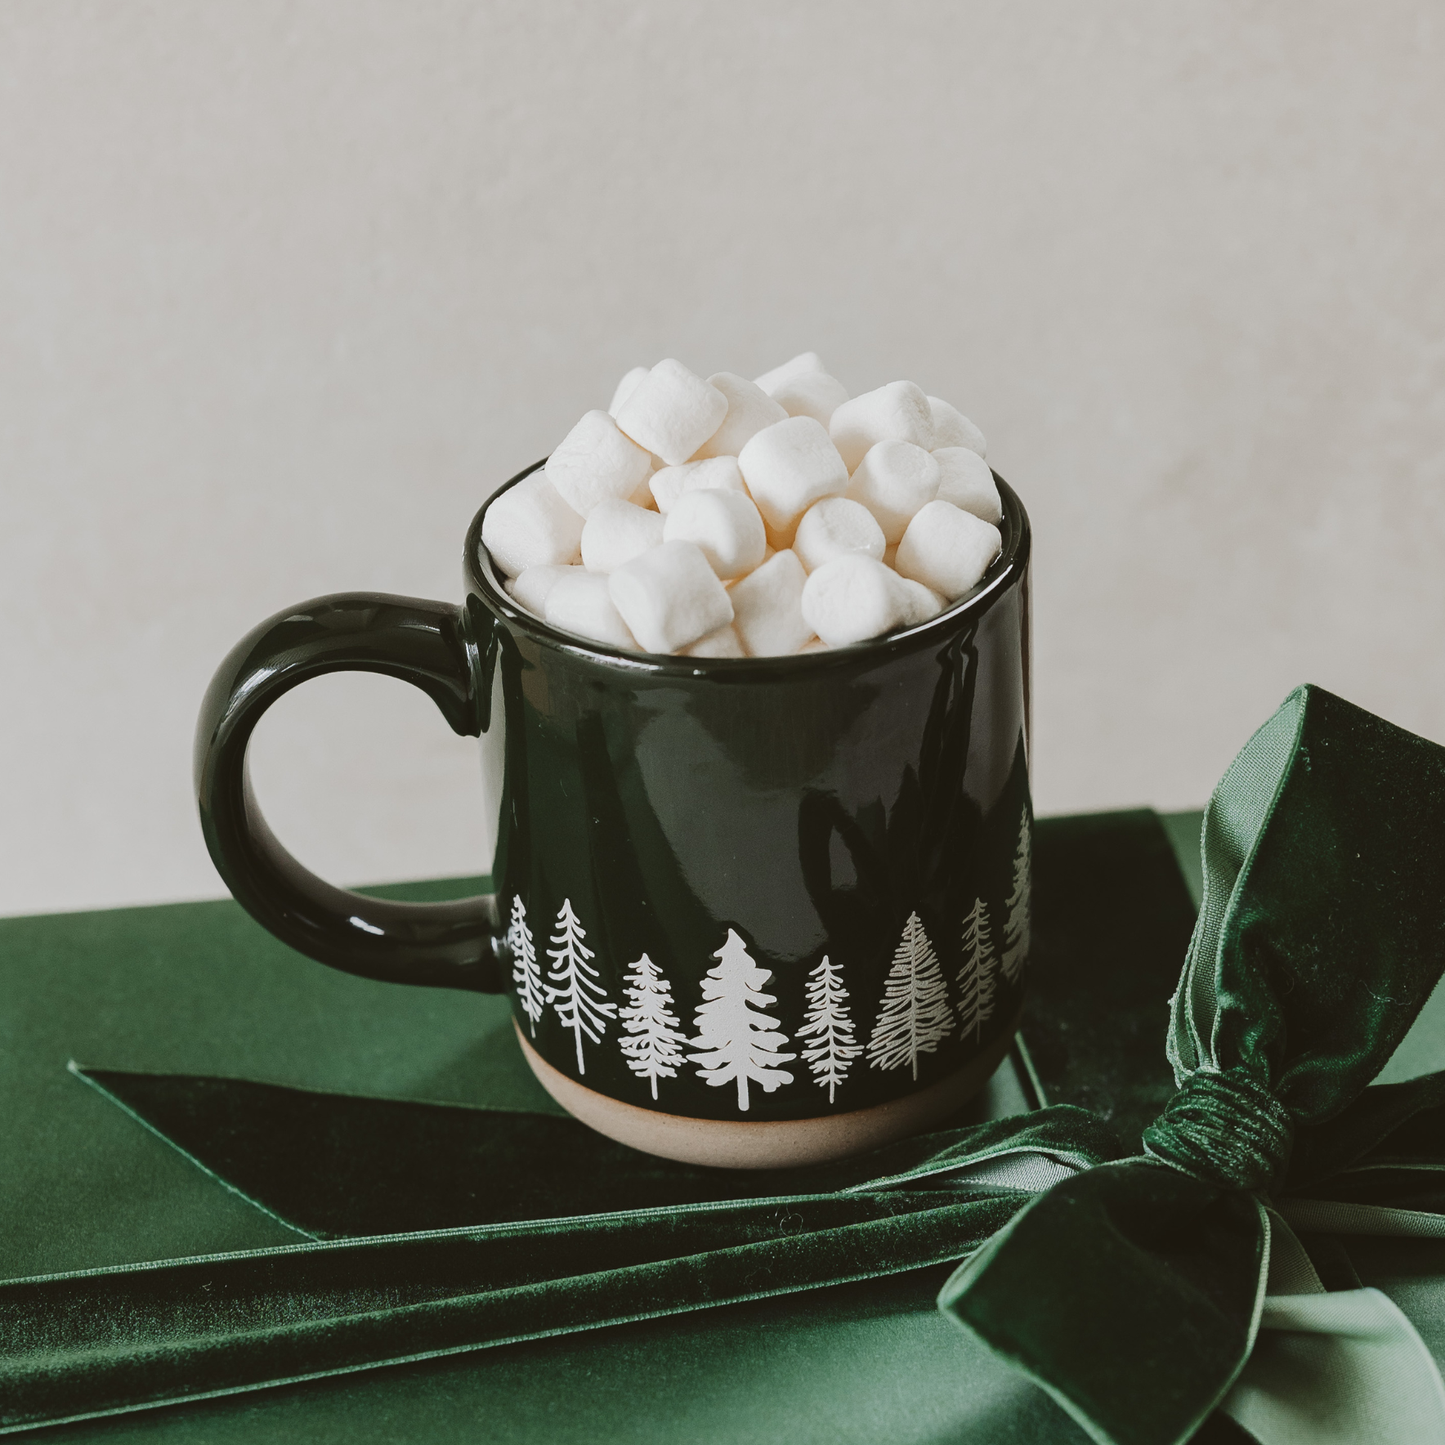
<point>286,289</point>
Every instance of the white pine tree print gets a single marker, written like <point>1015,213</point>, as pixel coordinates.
<point>581,1001</point>
<point>740,1040</point>
<point>1016,927</point>
<point>915,1015</point>
<point>976,978</point>
<point>829,1022</point>
<point>525,972</point>
<point>653,1050</point>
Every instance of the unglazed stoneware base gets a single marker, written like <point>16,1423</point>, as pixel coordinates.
<point>766,1144</point>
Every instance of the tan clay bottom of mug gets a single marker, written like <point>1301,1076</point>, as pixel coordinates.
<point>769,1143</point>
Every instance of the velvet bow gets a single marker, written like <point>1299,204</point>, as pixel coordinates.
<point>1320,936</point>
<point>1133,1289</point>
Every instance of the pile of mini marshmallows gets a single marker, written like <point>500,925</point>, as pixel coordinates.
<point>734,518</point>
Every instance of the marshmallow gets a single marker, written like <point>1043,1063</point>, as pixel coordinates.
<point>893,481</point>
<point>594,461</point>
<point>768,607</point>
<point>532,587</point>
<point>625,388</point>
<point>814,644</point>
<point>580,603</point>
<point>952,429</point>
<point>896,412</point>
<point>851,599</point>
<point>670,597</point>
<point>920,603</point>
<point>722,643</point>
<point>814,394</point>
<point>834,526</point>
<point>671,482</point>
<point>726,525</point>
<point>770,381</point>
<point>616,532</point>
<point>750,409</point>
<point>966,481</point>
<point>529,525</point>
<point>667,485</point>
<point>672,412</point>
<point>787,467</point>
<point>947,549</point>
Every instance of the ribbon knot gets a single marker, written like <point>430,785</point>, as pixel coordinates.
<point>1226,1129</point>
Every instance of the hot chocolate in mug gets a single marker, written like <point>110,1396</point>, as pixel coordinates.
<point>750,912</point>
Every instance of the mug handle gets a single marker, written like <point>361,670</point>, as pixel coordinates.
<point>428,644</point>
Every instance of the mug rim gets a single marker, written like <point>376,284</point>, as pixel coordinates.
<point>483,577</point>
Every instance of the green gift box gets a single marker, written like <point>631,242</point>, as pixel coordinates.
<point>1133,1287</point>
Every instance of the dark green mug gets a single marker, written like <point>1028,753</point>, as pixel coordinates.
<point>750,911</point>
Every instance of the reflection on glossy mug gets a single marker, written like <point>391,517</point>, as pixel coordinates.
<point>751,912</point>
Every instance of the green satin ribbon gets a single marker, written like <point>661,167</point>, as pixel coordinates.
<point>1134,1290</point>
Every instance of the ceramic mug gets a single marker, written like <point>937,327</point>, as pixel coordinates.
<point>750,911</point>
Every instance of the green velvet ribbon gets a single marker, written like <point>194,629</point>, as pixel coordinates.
<point>1133,1289</point>
<point>1321,934</point>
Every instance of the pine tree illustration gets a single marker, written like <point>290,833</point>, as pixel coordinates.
<point>829,1022</point>
<point>581,1001</point>
<point>915,1015</point>
<point>525,972</point>
<point>1016,928</point>
<point>976,982</point>
<point>740,1040</point>
<point>653,1050</point>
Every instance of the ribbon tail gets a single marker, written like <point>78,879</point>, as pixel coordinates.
<point>103,1342</point>
<point>1331,1216</point>
<point>1345,1368</point>
<point>1131,1294</point>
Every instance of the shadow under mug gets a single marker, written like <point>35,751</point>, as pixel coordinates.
<point>751,912</point>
